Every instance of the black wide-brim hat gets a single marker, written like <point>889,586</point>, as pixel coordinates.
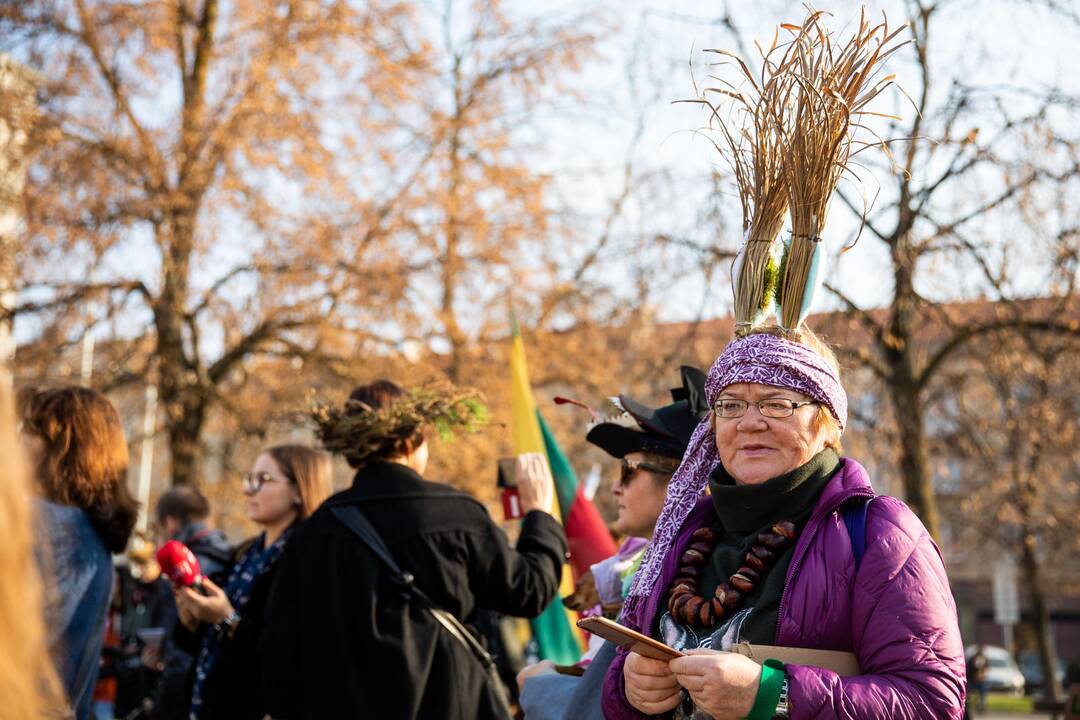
<point>662,431</point>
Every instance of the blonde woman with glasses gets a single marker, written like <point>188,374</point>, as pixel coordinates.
<point>223,627</point>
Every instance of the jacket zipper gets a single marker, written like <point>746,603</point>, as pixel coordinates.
<point>796,562</point>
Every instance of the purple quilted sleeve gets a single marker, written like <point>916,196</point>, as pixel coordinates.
<point>904,629</point>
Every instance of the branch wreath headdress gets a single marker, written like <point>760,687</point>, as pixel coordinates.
<point>357,431</point>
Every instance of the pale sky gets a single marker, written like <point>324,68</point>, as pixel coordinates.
<point>643,67</point>
<point>982,43</point>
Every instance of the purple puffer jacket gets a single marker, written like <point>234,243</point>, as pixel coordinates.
<point>896,614</point>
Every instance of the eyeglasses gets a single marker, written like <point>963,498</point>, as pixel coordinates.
<point>630,468</point>
<point>253,482</point>
<point>770,407</point>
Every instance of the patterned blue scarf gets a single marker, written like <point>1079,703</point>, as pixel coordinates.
<point>255,562</point>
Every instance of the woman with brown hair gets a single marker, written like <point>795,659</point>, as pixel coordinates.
<point>76,446</point>
<point>346,636</point>
<point>223,627</point>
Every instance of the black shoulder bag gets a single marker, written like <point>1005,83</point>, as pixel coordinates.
<point>352,518</point>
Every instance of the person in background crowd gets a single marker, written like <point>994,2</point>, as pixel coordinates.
<point>183,514</point>
<point>103,699</point>
<point>978,667</point>
<point>75,444</point>
<point>223,626</point>
<point>145,598</point>
<point>343,638</point>
<point>650,443</point>
<point>29,686</point>
<point>770,556</point>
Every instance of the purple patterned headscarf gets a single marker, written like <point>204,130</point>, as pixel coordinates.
<point>758,358</point>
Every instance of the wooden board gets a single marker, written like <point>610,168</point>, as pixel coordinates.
<point>843,664</point>
<point>625,637</point>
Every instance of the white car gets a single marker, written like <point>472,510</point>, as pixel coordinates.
<point>1003,674</point>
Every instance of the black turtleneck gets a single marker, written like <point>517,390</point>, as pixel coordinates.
<point>742,512</point>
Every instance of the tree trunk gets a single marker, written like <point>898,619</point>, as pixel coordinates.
<point>905,387</point>
<point>185,449</point>
<point>1044,637</point>
<point>452,263</point>
<point>1030,522</point>
<point>913,465</point>
<point>179,387</point>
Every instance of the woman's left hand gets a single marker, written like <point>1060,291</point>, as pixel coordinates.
<point>721,684</point>
<point>213,607</point>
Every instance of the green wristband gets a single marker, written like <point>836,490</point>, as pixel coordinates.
<point>768,693</point>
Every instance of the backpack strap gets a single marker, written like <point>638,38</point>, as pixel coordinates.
<point>854,514</point>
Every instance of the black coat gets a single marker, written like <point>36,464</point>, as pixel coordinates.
<point>232,690</point>
<point>341,640</point>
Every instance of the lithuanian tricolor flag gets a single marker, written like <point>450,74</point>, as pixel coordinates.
<point>589,539</point>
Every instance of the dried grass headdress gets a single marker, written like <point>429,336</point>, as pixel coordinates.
<point>359,431</point>
<point>836,84</point>
<point>751,138</point>
<point>789,135</point>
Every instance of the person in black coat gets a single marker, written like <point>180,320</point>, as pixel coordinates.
<point>182,515</point>
<point>140,602</point>
<point>342,640</point>
<point>222,627</point>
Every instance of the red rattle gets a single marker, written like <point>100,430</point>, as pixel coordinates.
<point>179,564</point>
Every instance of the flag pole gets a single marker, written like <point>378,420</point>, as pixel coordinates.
<point>146,454</point>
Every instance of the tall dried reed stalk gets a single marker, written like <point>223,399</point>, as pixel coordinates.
<point>788,134</point>
<point>836,83</point>
<point>750,139</point>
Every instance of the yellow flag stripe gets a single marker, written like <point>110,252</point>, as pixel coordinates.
<point>525,429</point>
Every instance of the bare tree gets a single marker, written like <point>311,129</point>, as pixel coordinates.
<point>478,207</point>
<point>934,223</point>
<point>175,142</point>
<point>1014,426</point>
<point>16,115</point>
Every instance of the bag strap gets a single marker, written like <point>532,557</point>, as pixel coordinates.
<point>352,518</point>
<point>854,514</point>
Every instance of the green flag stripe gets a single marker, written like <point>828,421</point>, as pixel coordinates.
<point>554,635</point>
<point>566,482</point>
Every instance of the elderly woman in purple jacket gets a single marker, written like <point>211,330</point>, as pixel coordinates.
<point>767,557</point>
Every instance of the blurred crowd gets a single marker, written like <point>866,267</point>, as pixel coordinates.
<point>739,520</point>
<point>119,639</point>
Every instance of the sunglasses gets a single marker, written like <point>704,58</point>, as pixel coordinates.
<point>253,482</point>
<point>629,470</point>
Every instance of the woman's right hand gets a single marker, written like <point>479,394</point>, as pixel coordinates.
<point>536,487</point>
<point>650,685</point>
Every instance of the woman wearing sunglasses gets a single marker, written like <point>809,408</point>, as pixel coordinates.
<point>649,443</point>
<point>222,626</point>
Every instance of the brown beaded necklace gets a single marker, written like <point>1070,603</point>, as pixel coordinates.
<point>689,608</point>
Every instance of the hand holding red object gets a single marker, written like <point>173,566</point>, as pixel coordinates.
<point>179,564</point>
